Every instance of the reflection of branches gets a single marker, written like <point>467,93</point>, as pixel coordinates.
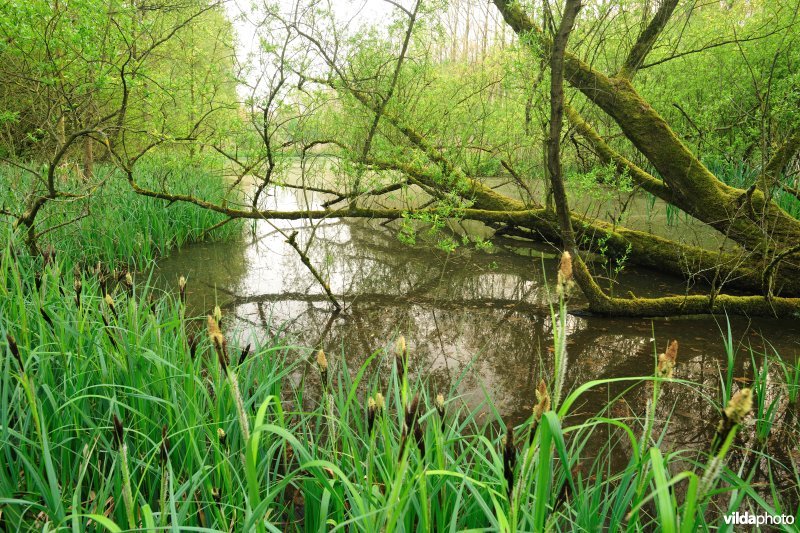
<point>292,241</point>
<point>393,300</point>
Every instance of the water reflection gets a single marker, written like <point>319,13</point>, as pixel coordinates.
<point>482,314</point>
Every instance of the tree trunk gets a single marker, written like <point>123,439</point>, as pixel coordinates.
<point>739,270</point>
<point>88,158</point>
<point>599,302</point>
<point>747,217</point>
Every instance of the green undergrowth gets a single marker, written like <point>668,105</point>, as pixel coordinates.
<point>279,438</point>
<point>108,222</point>
<point>742,176</point>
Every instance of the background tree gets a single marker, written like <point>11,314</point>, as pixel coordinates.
<point>437,133</point>
<point>91,79</point>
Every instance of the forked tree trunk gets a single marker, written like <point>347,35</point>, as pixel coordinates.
<point>600,302</point>
<point>746,216</point>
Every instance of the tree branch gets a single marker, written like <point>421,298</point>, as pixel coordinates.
<point>607,154</point>
<point>771,174</point>
<point>647,39</point>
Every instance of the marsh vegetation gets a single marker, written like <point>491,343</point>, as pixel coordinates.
<point>400,266</point>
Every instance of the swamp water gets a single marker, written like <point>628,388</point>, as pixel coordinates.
<point>477,321</point>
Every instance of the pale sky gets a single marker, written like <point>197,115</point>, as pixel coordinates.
<point>245,13</point>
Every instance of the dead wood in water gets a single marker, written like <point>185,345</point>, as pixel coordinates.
<point>292,241</point>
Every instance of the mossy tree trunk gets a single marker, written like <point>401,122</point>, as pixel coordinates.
<point>764,232</point>
<point>600,302</point>
<point>748,217</point>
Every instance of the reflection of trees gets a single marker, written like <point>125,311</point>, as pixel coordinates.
<point>458,312</point>
<point>215,272</point>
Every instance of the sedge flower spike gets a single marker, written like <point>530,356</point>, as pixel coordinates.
<point>667,360</point>
<point>565,282</point>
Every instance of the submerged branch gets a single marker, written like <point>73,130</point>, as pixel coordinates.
<point>292,241</point>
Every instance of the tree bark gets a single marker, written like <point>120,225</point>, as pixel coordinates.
<point>556,122</point>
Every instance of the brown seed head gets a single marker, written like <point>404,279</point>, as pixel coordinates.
<point>400,349</point>
<point>214,333</point>
<point>401,355</point>
<point>322,361</point>
<point>380,402</point>
<point>218,340</point>
<point>509,458</point>
<point>667,360</point>
<point>244,353</point>
<point>372,410</point>
<point>542,401</point>
<point>78,288</point>
<point>565,266</point>
<point>440,402</point>
<point>565,283</point>
<point>12,346</point>
<point>672,351</point>
<point>739,406</point>
<point>419,436</point>
<point>119,431</point>
<point>412,412</point>
<point>192,345</point>
<point>164,445</point>
<point>508,439</point>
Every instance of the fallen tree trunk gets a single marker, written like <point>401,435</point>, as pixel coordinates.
<point>699,305</point>
<point>646,250</point>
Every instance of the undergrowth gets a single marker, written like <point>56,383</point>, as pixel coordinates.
<point>118,412</point>
<point>106,221</point>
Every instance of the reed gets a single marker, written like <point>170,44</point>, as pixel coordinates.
<point>122,227</point>
<point>127,491</point>
<point>398,470</point>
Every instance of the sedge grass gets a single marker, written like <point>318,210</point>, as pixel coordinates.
<point>319,462</point>
<point>116,226</point>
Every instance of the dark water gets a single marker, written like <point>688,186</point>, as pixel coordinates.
<point>478,313</point>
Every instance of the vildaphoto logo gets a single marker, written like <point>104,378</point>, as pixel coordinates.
<point>745,518</point>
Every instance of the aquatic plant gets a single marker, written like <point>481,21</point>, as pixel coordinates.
<point>261,457</point>
<point>117,226</point>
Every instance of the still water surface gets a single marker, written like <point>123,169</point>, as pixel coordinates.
<point>474,313</point>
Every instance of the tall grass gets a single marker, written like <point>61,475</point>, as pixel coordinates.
<point>738,174</point>
<point>115,225</point>
<point>742,175</point>
<point>127,418</point>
